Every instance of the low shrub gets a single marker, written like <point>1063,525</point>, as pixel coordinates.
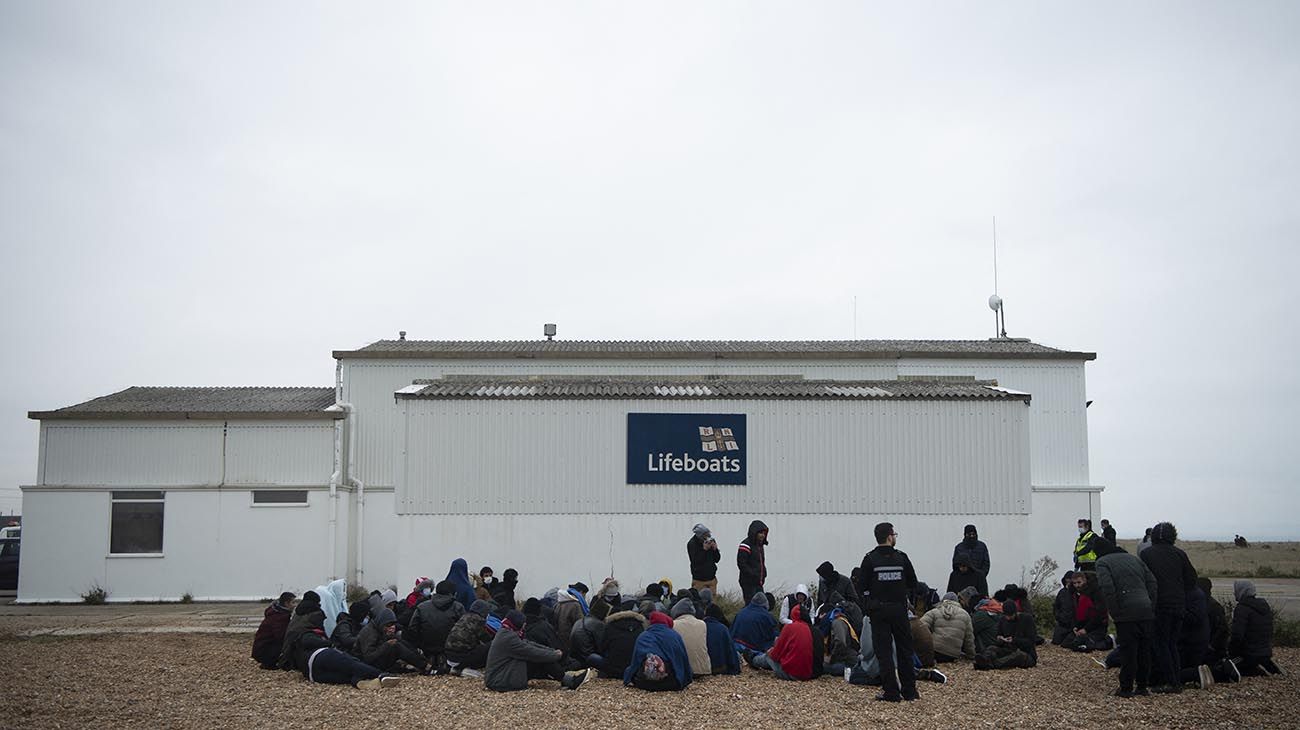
<point>356,593</point>
<point>1286,632</point>
<point>730,602</point>
<point>1044,615</point>
<point>187,597</point>
<point>95,595</point>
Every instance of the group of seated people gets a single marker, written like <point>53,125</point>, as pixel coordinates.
<point>1169,630</point>
<point>662,640</point>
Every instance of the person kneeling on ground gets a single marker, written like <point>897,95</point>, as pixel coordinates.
<point>307,650</point>
<point>379,646</point>
<point>512,660</point>
<point>695,636</point>
<point>1090,617</point>
<point>1063,610</point>
<point>1251,645</point>
<point>951,630</point>
<point>791,657</point>
<point>659,660</point>
<point>1014,645</point>
<point>269,639</point>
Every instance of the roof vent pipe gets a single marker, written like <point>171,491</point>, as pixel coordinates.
<point>549,331</point>
<point>401,336</point>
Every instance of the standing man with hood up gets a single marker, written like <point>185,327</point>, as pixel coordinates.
<point>752,561</point>
<point>704,555</point>
<point>972,551</point>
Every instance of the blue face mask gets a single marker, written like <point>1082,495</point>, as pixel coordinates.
<point>425,592</point>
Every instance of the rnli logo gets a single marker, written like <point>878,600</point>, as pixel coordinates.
<point>714,439</point>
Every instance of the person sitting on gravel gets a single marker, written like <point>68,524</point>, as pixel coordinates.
<point>659,660</point>
<point>754,628</point>
<point>570,606</point>
<point>791,657</point>
<point>378,601</point>
<point>831,581</point>
<point>432,622</point>
<point>512,660</point>
<point>984,621</point>
<point>348,626</point>
<point>468,641</point>
<point>503,591</point>
<point>1063,610</point>
<point>379,645</point>
<point>951,630</point>
<point>307,650</point>
<point>618,644</point>
<point>333,601</point>
<point>723,658</point>
<point>922,640</point>
<point>798,598</point>
<point>586,635</point>
<point>269,639</point>
<point>713,610</point>
<point>842,640</point>
<point>1014,646</point>
<point>1091,621</point>
<point>536,628</point>
<point>608,598</point>
<point>1251,645</point>
<point>458,574</point>
<point>695,636</point>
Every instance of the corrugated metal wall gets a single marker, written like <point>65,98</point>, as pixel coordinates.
<point>129,453</point>
<point>280,453</point>
<point>187,453</point>
<point>369,385</point>
<point>569,456</point>
<point>1058,420</point>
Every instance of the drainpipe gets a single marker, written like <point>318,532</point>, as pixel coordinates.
<point>335,479</point>
<point>360,486</point>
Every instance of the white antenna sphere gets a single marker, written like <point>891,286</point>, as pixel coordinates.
<point>995,302</point>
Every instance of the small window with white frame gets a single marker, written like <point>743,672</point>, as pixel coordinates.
<point>137,523</point>
<point>280,498</point>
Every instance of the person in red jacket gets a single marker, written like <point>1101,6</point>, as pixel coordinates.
<point>791,657</point>
<point>269,639</point>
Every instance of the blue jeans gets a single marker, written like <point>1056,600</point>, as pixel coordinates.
<point>763,661</point>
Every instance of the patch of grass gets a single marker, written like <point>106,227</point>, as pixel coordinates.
<point>1044,615</point>
<point>729,602</point>
<point>95,595</point>
<point>1286,632</point>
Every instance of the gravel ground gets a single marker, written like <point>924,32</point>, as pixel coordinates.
<point>206,680</point>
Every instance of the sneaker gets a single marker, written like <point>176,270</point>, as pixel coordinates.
<point>938,677</point>
<point>1142,692</point>
<point>1205,676</point>
<point>582,677</point>
<point>369,684</point>
<point>1114,643</point>
<point>1230,667</point>
<point>848,674</point>
<point>886,697</point>
<point>1099,662</point>
<point>1121,692</point>
<point>389,681</point>
<point>1271,667</point>
<point>471,673</point>
<point>912,696</point>
<point>982,662</point>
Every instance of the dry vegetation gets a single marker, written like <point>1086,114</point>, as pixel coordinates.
<point>199,680</point>
<point>1223,559</point>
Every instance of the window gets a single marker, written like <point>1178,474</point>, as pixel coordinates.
<point>137,523</point>
<point>10,549</point>
<point>280,497</point>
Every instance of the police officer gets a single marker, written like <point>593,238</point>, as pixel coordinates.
<point>888,580</point>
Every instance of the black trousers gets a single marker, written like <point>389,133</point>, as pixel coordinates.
<point>389,654</point>
<point>747,591</point>
<point>1134,638</point>
<point>891,634</point>
<point>1164,647</point>
<point>331,666</point>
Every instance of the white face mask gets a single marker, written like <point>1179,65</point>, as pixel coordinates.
<point>1082,530</point>
<point>425,592</point>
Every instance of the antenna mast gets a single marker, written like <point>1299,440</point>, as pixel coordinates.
<point>995,301</point>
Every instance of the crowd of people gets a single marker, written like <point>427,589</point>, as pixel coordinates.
<point>878,625</point>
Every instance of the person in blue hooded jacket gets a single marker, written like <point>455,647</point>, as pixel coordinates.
<point>754,628</point>
<point>659,662</point>
<point>459,576</point>
<point>722,650</point>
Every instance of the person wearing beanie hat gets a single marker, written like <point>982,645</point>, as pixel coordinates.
<point>503,591</point>
<point>703,553</point>
<point>536,628</point>
<point>512,660</point>
<point>963,576</point>
<point>468,641</point>
<point>831,581</point>
<point>973,550</point>
<point>695,635</point>
<point>754,628</point>
<point>607,600</point>
<point>269,639</point>
<point>952,632</point>
<point>432,622</point>
<point>1014,646</point>
<point>1174,577</point>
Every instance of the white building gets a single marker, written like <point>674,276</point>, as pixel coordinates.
<point>558,458</point>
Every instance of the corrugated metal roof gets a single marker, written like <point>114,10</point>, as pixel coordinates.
<point>463,388</point>
<point>722,349</point>
<point>168,403</point>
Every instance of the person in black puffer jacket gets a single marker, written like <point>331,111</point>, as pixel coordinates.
<point>1219,630</point>
<point>379,645</point>
<point>585,638</point>
<point>1063,610</point>
<point>269,639</point>
<point>1174,575</point>
<point>619,643</point>
<point>348,626</point>
<point>433,620</point>
<point>503,591</point>
<point>1251,645</point>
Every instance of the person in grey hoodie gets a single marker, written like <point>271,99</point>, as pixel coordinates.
<point>1251,645</point>
<point>512,660</point>
<point>379,645</point>
<point>1130,591</point>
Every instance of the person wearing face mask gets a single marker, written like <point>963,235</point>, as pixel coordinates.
<point>1085,557</point>
<point>889,580</point>
<point>973,551</point>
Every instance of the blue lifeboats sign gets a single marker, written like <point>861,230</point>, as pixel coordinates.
<point>686,448</point>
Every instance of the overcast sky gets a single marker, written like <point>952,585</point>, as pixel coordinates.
<point>222,193</point>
